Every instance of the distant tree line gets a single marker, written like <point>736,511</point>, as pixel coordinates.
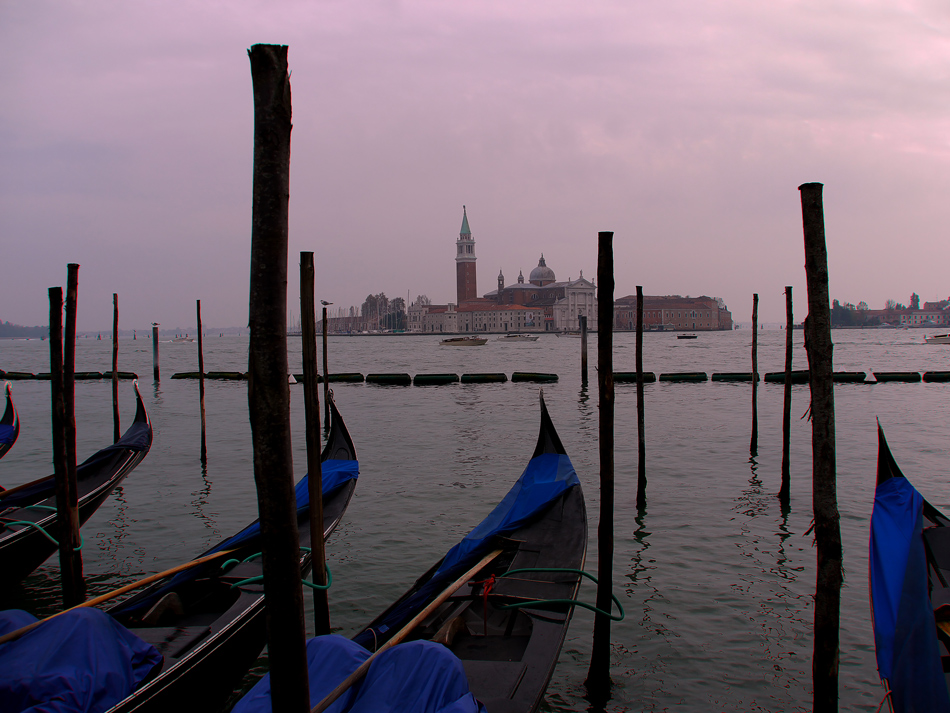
<point>845,314</point>
<point>15,330</point>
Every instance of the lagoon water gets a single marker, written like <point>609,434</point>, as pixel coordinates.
<point>717,582</point>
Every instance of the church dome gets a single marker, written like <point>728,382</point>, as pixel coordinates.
<point>542,274</point>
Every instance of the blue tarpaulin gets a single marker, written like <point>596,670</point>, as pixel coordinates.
<point>7,433</point>
<point>904,627</point>
<point>82,661</point>
<point>416,677</point>
<point>544,480</point>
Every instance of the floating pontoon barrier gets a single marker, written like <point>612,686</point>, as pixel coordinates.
<point>484,378</point>
<point>906,376</point>
<point>389,379</point>
<point>627,377</point>
<point>932,376</point>
<point>352,377</point>
<point>733,376</point>
<point>850,377</point>
<point>685,376</point>
<point>87,375</point>
<point>778,377</point>
<point>219,375</point>
<point>16,375</point>
<point>435,379</point>
<point>533,376</point>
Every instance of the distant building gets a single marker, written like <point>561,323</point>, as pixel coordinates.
<point>673,312</point>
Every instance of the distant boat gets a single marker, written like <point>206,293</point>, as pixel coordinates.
<point>463,342</point>
<point>938,339</point>
<point>518,338</point>
<point>183,339</point>
<point>686,336</point>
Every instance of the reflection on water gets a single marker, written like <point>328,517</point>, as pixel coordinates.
<point>717,589</point>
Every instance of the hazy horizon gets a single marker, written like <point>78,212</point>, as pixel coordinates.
<point>126,140</point>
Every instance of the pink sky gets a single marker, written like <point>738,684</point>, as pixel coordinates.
<point>126,135</point>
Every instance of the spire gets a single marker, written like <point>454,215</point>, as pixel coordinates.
<point>520,277</point>
<point>465,229</point>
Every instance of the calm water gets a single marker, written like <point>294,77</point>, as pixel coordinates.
<point>716,581</point>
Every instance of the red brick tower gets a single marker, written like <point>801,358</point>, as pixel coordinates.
<point>465,262</point>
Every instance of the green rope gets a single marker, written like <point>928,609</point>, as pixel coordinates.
<point>260,578</point>
<point>321,587</point>
<point>43,532</point>
<point>574,602</point>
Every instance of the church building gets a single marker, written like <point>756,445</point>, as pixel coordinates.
<point>542,304</point>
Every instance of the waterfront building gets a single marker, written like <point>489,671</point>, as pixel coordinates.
<point>672,312</point>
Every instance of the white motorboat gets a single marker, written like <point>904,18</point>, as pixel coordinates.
<point>938,339</point>
<point>518,338</point>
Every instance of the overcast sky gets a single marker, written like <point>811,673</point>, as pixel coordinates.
<point>126,136</point>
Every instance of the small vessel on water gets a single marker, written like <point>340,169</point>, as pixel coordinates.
<point>938,339</point>
<point>9,424</point>
<point>910,597</point>
<point>497,607</point>
<point>686,336</point>
<point>464,341</point>
<point>188,638</point>
<point>518,338</point>
<point>29,527</point>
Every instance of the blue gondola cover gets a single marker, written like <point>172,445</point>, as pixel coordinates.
<point>904,627</point>
<point>544,480</point>
<point>80,662</point>
<point>416,677</point>
<point>6,433</point>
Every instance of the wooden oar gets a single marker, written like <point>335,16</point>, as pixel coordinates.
<point>111,595</point>
<point>11,491</point>
<point>402,633</point>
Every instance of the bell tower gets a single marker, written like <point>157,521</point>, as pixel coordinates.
<point>465,262</point>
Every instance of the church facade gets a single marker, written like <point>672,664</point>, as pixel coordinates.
<point>540,304</point>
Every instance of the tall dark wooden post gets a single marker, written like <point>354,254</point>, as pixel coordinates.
<point>598,675</point>
<point>326,375</point>
<point>819,347</point>
<point>641,430</point>
<point>754,442</point>
<point>201,389</point>
<point>116,427</point>
<point>155,350</point>
<point>784,492</point>
<point>268,390</point>
<point>311,404</point>
<point>58,403</point>
<point>582,319</point>
<point>67,494</point>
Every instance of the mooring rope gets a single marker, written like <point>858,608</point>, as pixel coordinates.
<point>573,602</point>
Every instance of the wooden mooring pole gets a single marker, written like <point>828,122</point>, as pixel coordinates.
<point>598,675</point>
<point>583,325</point>
<point>641,431</point>
<point>67,493</point>
<point>326,375</point>
<point>819,348</point>
<point>784,492</point>
<point>754,442</point>
<point>116,426</point>
<point>155,351</point>
<point>201,389</point>
<point>311,405</point>
<point>268,390</point>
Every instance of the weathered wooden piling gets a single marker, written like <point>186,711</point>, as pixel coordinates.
<point>67,493</point>
<point>326,373</point>
<point>819,348</point>
<point>598,675</point>
<point>268,390</point>
<point>56,395</point>
<point>116,428</point>
<point>201,389</point>
<point>583,325</point>
<point>784,492</point>
<point>311,406</point>
<point>641,430</point>
<point>155,350</point>
<point>754,442</point>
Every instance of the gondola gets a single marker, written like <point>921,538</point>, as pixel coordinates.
<point>207,622</point>
<point>28,526</point>
<point>502,656</point>
<point>9,424</point>
<point>910,596</point>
